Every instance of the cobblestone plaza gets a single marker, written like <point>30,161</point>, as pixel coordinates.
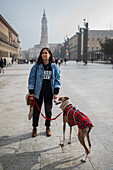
<point>90,89</point>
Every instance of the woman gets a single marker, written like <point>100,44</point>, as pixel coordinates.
<point>44,85</point>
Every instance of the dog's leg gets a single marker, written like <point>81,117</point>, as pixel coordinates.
<point>81,136</point>
<point>89,143</point>
<point>70,135</point>
<point>64,128</point>
<point>88,138</point>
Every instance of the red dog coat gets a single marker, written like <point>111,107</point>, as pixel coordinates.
<point>75,117</point>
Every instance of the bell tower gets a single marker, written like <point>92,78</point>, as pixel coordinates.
<point>44,32</point>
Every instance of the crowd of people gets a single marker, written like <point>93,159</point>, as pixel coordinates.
<point>8,61</point>
<point>4,62</point>
<point>60,61</point>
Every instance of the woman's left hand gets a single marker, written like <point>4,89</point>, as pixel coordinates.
<point>55,96</point>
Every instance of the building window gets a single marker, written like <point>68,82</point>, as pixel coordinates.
<point>97,39</point>
<point>92,49</point>
<point>92,39</point>
<point>96,48</point>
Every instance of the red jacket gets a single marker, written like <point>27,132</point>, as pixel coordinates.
<point>75,117</point>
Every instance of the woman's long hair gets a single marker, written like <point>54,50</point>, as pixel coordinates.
<point>40,61</point>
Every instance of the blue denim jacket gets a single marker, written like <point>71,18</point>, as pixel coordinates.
<point>36,85</point>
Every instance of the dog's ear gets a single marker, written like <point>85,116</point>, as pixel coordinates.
<point>60,99</point>
<point>66,98</point>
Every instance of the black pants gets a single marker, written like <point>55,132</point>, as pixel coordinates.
<point>48,110</point>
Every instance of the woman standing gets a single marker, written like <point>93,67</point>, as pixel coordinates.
<point>44,85</point>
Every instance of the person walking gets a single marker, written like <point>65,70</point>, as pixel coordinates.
<point>65,60</point>
<point>1,65</point>
<point>59,62</point>
<point>44,84</point>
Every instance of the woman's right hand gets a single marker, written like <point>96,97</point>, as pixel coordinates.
<point>32,96</point>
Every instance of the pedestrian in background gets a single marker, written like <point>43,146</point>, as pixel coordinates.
<point>12,61</point>
<point>59,62</point>
<point>44,85</point>
<point>4,62</point>
<point>1,65</point>
<point>65,60</point>
<point>56,61</point>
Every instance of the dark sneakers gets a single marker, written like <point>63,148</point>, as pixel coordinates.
<point>34,132</point>
<point>48,131</point>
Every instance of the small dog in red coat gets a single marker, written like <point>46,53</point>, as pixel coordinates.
<point>75,117</point>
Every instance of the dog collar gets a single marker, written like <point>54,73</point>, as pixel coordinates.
<point>65,104</point>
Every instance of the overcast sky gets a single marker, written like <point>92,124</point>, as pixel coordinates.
<point>63,17</point>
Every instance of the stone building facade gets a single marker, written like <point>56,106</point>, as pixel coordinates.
<point>94,36</point>
<point>75,47</point>
<point>93,42</point>
<point>76,44</point>
<point>9,40</point>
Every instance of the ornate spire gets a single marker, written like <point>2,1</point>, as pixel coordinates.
<point>44,32</point>
<point>44,14</point>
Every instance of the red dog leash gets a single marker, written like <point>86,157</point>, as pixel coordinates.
<point>41,112</point>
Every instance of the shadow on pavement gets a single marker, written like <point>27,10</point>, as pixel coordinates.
<point>6,140</point>
<point>62,162</point>
<point>27,160</point>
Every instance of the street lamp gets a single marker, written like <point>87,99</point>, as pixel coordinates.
<point>85,42</point>
<point>85,39</point>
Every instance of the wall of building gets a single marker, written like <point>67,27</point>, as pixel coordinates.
<point>73,47</point>
<point>9,41</point>
<point>76,44</point>
<point>95,35</point>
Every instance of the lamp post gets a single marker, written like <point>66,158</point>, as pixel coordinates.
<point>67,47</point>
<point>85,39</point>
<point>85,42</point>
